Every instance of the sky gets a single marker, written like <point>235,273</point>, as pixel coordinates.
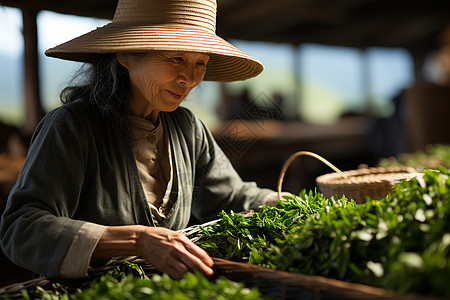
<point>320,85</point>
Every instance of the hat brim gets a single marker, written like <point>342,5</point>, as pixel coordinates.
<point>227,63</point>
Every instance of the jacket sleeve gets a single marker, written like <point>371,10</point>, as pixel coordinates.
<point>218,185</point>
<point>36,228</point>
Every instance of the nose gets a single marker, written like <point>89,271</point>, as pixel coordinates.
<point>187,75</point>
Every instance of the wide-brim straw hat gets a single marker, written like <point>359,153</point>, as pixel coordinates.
<point>173,25</point>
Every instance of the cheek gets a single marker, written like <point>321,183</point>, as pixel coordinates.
<point>142,80</point>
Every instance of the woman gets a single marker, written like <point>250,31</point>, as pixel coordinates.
<point>120,166</point>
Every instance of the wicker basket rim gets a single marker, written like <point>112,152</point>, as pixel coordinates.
<point>369,176</point>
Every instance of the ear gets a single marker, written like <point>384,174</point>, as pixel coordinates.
<point>123,59</point>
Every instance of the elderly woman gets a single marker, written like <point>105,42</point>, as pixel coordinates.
<point>119,167</point>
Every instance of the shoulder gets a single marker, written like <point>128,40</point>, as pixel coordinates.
<point>70,117</point>
<point>68,111</point>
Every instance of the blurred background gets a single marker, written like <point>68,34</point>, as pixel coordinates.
<point>355,81</point>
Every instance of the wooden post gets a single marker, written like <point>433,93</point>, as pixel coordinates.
<point>33,108</point>
<point>298,92</point>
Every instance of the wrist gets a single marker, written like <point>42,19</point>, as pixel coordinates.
<point>118,241</point>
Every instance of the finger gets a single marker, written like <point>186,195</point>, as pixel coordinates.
<point>196,250</point>
<point>172,265</point>
<point>194,263</point>
<point>200,253</point>
<point>177,270</point>
<point>186,263</point>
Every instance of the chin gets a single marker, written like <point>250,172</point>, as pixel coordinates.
<point>171,108</point>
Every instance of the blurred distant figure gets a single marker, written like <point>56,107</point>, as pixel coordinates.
<point>421,111</point>
<point>242,106</point>
<point>233,106</point>
<point>277,106</point>
<point>443,57</point>
<point>427,103</point>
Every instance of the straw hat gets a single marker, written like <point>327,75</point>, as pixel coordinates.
<point>173,25</point>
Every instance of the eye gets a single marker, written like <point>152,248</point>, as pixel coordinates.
<point>201,64</point>
<point>178,59</point>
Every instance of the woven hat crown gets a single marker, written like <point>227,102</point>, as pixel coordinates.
<point>200,14</point>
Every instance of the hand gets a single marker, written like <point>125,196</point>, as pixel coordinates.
<point>172,252</point>
<point>272,198</point>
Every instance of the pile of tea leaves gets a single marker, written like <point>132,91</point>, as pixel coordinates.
<point>400,242</point>
<point>237,235</point>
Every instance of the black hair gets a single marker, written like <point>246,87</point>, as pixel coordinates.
<point>105,88</point>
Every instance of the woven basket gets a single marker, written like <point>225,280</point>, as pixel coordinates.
<point>14,291</point>
<point>358,184</point>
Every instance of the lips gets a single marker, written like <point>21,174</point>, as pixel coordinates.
<point>177,95</point>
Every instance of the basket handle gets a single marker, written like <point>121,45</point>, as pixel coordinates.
<point>303,153</point>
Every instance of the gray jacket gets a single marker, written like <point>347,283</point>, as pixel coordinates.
<point>79,168</point>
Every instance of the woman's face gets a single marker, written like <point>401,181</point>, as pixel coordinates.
<point>160,80</point>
